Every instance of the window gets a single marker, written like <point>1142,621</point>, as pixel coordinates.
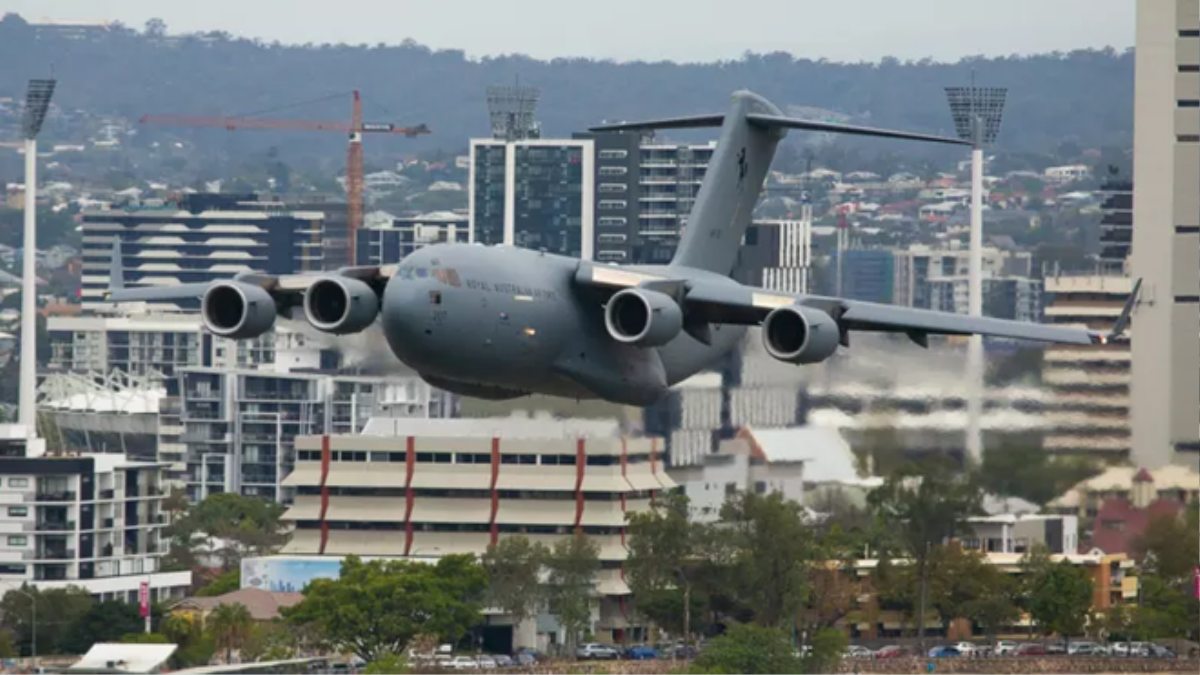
<point>435,297</point>
<point>558,460</point>
<point>613,187</point>
<point>613,154</point>
<point>730,489</point>
<point>611,239</point>
<point>611,204</point>
<point>472,458</point>
<point>602,460</point>
<point>613,221</point>
<point>1183,103</point>
<point>18,511</point>
<point>12,569</point>
<point>1189,33</point>
<point>518,459</point>
<point>760,487</point>
<point>612,170</point>
<point>18,482</point>
<point>17,540</point>
<point>435,457</point>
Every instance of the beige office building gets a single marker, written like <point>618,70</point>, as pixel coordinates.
<point>427,488</point>
<point>1089,406</point>
<point>1166,234</point>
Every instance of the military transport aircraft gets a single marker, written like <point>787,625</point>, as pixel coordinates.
<point>500,322</point>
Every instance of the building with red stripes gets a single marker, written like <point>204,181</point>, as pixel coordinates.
<point>415,487</point>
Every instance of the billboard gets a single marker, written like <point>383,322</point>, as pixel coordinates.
<point>287,575</point>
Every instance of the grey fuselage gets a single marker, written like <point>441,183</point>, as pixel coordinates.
<point>500,322</point>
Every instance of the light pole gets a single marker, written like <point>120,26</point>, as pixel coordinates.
<point>977,112</point>
<point>33,623</point>
<point>37,102</point>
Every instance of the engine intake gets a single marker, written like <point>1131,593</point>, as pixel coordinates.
<point>340,305</point>
<point>643,318</point>
<point>237,310</point>
<point>799,334</point>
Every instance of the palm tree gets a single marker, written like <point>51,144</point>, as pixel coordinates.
<point>230,626</point>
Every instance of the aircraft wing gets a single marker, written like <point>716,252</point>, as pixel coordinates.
<point>726,303</point>
<point>286,289</point>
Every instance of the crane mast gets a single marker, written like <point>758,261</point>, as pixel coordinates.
<point>354,152</point>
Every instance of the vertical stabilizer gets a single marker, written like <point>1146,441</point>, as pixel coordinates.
<point>732,185</point>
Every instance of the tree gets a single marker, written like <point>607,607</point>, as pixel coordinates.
<point>749,648</point>
<point>375,608</point>
<point>1168,547</point>
<point>196,647</point>
<point>773,548</point>
<point>227,582</point>
<point>246,526</point>
<point>230,625</point>
<point>572,565</point>
<point>104,622</point>
<point>388,664</point>
<point>666,553</point>
<point>268,641</point>
<point>513,566</point>
<point>994,607</point>
<point>923,505</point>
<point>156,28</point>
<point>1027,471</point>
<point>828,648</point>
<point>1060,598</point>
<point>57,610</point>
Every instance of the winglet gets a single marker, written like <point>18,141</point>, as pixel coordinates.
<point>1122,322</point>
<point>116,270</point>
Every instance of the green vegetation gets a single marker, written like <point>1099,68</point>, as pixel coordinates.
<point>749,649</point>
<point>513,566</point>
<point>248,526</point>
<point>375,608</point>
<point>572,565</point>
<point>1061,595</point>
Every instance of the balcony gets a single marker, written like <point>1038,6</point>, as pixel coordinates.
<point>50,526</point>
<point>108,524</point>
<point>107,494</point>
<point>58,496</point>
<point>52,554</point>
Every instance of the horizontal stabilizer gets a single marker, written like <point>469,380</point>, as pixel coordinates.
<point>693,122</point>
<point>778,122</point>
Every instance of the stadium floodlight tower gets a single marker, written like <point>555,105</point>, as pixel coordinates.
<point>977,112</point>
<point>512,110</point>
<point>37,102</point>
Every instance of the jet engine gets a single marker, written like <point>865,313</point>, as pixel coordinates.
<point>799,334</point>
<point>643,318</point>
<point>237,310</point>
<point>340,305</point>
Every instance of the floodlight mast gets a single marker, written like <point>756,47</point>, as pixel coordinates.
<point>977,113</point>
<point>37,103</point>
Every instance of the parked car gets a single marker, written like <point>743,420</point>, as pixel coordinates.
<point>1160,652</point>
<point>595,650</point>
<point>504,661</point>
<point>1004,647</point>
<point>967,648</point>
<point>1082,648</point>
<point>527,656</point>
<point>641,653</point>
<point>486,661</point>
<point>889,652</point>
<point>461,663</point>
<point>1028,649</point>
<point>859,652</point>
<point>944,652</point>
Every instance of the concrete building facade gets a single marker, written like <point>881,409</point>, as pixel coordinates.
<point>202,238</point>
<point>93,521</point>
<point>407,488</point>
<point>1166,239</point>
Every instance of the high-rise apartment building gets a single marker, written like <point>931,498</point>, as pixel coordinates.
<point>93,521</point>
<point>391,242</point>
<point>534,194</point>
<point>1014,298</point>
<point>917,265</point>
<point>202,238</point>
<point>609,197</point>
<point>1116,223</point>
<point>1166,240</point>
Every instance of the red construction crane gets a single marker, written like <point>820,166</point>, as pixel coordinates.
<point>354,154</point>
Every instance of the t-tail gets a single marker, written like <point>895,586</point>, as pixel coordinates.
<point>733,182</point>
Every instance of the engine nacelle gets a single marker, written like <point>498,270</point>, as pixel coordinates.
<point>643,318</point>
<point>340,305</point>
<point>799,334</point>
<point>237,310</point>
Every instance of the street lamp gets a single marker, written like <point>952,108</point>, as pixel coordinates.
<point>977,113</point>
<point>33,623</point>
<point>37,102</point>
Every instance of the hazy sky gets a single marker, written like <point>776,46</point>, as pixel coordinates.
<point>680,30</point>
